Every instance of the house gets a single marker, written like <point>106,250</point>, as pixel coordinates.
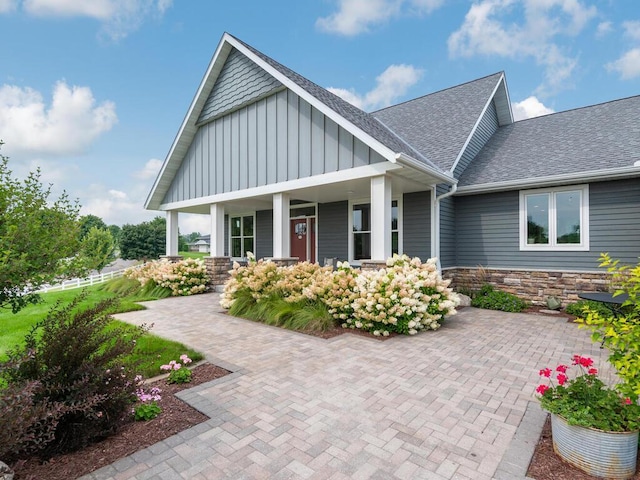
<point>202,244</point>
<point>289,171</point>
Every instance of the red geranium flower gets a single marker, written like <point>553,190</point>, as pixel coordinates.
<point>545,372</point>
<point>592,371</point>
<point>562,378</point>
<point>542,388</point>
<point>562,368</point>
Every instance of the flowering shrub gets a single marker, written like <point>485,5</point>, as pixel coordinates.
<point>585,400</point>
<point>186,277</point>
<point>405,297</point>
<point>147,408</point>
<point>177,374</point>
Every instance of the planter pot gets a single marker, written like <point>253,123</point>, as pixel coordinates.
<point>598,453</point>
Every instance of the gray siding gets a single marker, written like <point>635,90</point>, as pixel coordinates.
<point>240,81</point>
<point>487,230</point>
<point>447,228</point>
<point>487,126</point>
<point>416,216</point>
<point>264,234</point>
<point>333,228</point>
<point>226,235</point>
<point>275,139</point>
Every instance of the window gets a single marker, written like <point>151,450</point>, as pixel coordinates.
<point>361,228</point>
<point>555,219</point>
<point>242,236</point>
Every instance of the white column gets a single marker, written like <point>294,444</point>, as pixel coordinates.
<point>380,218</point>
<point>172,233</point>
<point>217,229</point>
<point>281,239</point>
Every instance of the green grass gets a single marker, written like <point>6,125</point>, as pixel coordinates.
<point>193,254</point>
<point>151,351</point>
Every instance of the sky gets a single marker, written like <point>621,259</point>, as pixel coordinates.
<point>93,92</point>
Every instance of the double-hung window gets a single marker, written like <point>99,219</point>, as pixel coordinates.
<point>361,230</point>
<point>555,219</point>
<point>241,229</point>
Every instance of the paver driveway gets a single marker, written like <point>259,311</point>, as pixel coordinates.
<point>440,405</point>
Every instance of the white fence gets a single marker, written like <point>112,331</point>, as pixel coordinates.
<point>83,282</point>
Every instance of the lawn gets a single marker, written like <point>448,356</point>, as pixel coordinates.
<point>151,351</point>
<point>194,254</point>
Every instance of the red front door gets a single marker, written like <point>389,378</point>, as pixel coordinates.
<point>303,239</point>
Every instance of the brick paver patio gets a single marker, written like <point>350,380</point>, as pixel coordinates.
<point>456,403</point>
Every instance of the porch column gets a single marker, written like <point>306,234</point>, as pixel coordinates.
<point>281,239</point>
<point>380,218</point>
<point>217,229</point>
<point>172,233</point>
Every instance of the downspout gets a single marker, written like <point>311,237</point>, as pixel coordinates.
<point>435,222</point>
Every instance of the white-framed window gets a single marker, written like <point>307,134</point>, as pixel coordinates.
<point>360,228</point>
<point>241,235</point>
<point>555,219</point>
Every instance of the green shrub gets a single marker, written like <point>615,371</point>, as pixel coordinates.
<point>579,309</point>
<point>78,364</point>
<point>493,299</point>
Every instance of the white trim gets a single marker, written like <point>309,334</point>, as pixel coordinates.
<point>411,162</point>
<point>281,225</point>
<point>380,218</point>
<point>357,173</point>
<point>551,180</point>
<point>475,127</point>
<point>255,238</point>
<point>216,211</point>
<point>524,269</point>
<point>553,246</point>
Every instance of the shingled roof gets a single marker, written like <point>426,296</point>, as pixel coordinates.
<point>590,139</point>
<point>439,124</point>
<point>365,121</point>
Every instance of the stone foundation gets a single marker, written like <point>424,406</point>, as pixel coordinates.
<point>533,286</point>
<point>172,258</point>
<point>217,270</point>
<point>372,264</point>
<point>284,262</point>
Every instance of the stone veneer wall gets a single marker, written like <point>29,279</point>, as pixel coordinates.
<point>372,264</point>
<point>284,262</point>
<point>217,270</point>
<point>533,286</point>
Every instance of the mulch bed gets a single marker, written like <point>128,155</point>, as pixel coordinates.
<point>546,465</point>
<point>176,416</point>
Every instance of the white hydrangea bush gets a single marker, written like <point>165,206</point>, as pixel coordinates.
<point>185,277</point>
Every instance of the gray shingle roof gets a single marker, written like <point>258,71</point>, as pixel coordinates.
<point>598,137</point>
<point>365,121</point>
<point>438,124</point>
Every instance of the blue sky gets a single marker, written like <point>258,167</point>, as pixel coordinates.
<point>93,92</point>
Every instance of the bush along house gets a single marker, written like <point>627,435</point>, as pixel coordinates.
<point>289,171</point>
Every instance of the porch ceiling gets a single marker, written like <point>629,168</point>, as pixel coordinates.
<point>403,180</point>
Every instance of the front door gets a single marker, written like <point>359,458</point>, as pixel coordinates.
<point>303,239</point>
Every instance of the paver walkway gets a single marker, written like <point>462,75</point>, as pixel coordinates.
<point>447,404</point>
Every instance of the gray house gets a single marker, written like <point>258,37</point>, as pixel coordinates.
<point>289,171</point>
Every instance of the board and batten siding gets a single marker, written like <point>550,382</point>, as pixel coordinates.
<point>276,139</point>
<point>333,231</point>
<point>486,128</point>
<point>416,224</point>
<point>487,230</point>
<point>240,81</point>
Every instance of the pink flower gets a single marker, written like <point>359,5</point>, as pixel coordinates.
<point>562,368</point>
<point>177,366</point>
<point>582,361</point>
<point>545,372</point>
<point>562,378</point>
<point>542,388</point>
<point>627,401</point>
<point>592,371</point>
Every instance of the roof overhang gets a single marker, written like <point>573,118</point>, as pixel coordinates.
<point>552,180</point>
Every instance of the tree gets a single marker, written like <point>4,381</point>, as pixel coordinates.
<point>115,233</point>
<point>87,222</point>
<point>143,241</point>
<point>192,237</point>
<point>38,237</point>
<point>97,248</point>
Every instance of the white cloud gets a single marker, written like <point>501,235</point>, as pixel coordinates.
<point>118,17</point>
<point>150,170</point>
<point>391,84</point>
<point>632,29</point>
<point>68,126</point>
<point>603,29</point>
<point>489,29</point>
<point>357,16</point>
<point>115,206</point>
<point>194,223</point>
<point>628,65</point>
<point>528,108</point>
<point>8,5</point>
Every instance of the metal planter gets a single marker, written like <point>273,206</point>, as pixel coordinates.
<point>598,453</point>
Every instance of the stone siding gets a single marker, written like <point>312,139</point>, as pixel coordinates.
<point>372,264</point>
<point>533,286</point>
<point>284,262</point>
<point>217,270</point>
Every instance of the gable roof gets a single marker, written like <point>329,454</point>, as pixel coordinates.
<point>586,143</point>
<point>439,125</point>
<point>351,118</point>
